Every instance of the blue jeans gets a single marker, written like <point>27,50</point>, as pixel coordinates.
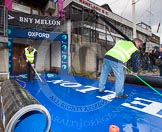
<point>118,71</point>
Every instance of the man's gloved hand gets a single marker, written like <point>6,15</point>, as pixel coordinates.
<point>32,65</point>
<point>134,73</point>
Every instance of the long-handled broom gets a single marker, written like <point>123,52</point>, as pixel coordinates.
<point>38,75</point>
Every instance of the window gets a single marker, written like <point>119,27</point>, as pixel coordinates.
<point>36,12</point>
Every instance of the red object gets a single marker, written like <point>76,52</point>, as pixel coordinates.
<point>60,8</point>
<point>8,4</point>
<point>14,58</point>
<point>114,128</point>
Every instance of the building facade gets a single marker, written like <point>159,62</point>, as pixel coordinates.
<point>95,29</point>
<point>91,29</point>
<point>32,23</point>
<point>3,42</point>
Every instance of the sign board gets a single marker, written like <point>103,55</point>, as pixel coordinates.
<point>35,34</point>
<point>31,21</point>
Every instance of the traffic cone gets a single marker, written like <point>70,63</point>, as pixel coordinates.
<point>114,128</point>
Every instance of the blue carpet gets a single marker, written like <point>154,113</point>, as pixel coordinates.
<point>76,106</point>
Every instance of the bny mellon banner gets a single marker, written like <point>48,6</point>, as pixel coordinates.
<point>29,21</point>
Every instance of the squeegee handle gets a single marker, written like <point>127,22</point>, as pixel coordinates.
<point>37,74</point>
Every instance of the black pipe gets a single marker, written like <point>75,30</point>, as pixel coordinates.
<point>112,26</point>
<point>103,18</point>
<point>154,81</point>
<point>21,110</point>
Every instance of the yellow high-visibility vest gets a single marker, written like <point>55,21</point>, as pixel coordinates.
<point>30,55</point>
<point>122,50</point>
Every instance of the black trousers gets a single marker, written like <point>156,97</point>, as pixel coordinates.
<point>160,69</point>
<point>30,72</point>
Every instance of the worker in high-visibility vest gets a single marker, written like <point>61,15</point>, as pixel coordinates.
<point>30,56</point>
<point>114,60</point>
<point>158,59</point>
